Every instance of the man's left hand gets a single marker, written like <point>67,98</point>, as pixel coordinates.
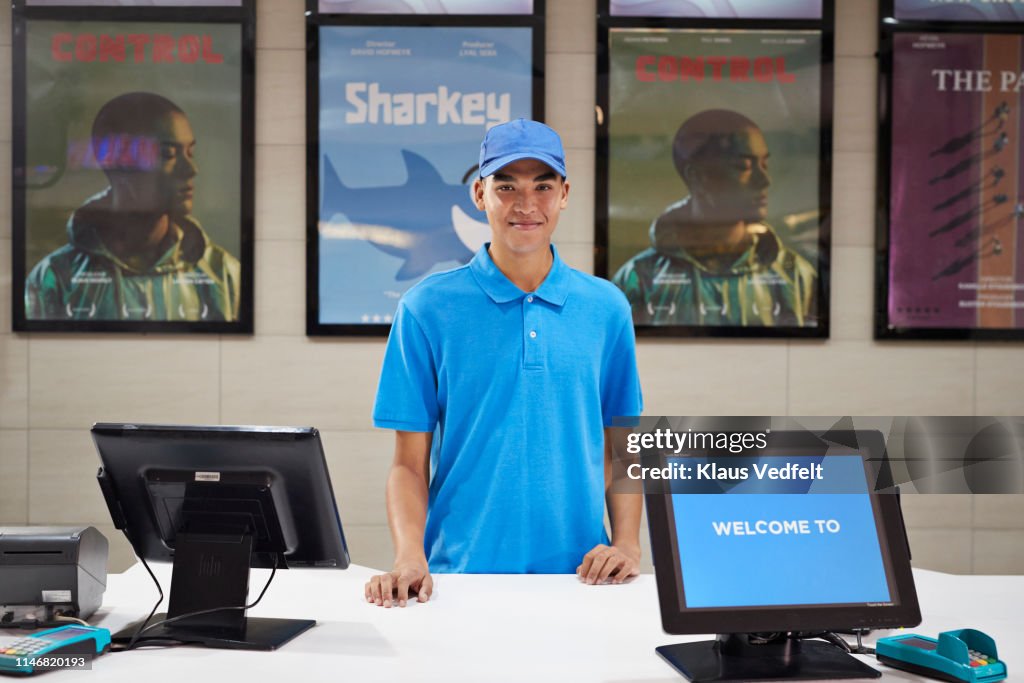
<point>609,564</point>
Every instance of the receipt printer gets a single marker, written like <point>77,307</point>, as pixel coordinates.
<point>47,572</point>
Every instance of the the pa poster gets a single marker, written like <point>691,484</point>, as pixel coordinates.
<point>426,6</point>
<point>714,177</point>
<point>718,9</point>
<point>402,113</point>
<point>131,176</point>
<point>955,241</point>
<point>960,10</point>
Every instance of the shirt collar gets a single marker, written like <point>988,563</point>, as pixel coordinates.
<point>554,289</point>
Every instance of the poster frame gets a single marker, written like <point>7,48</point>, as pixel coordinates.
<point>244,16</point>
<point>826,26</point>
<point>888,29</point>
<point>314,20</point>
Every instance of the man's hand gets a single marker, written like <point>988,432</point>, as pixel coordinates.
<point>609,564</point>
<point>395,587</point>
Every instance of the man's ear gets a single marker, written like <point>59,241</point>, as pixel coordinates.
<point>565,194</point>
<point>476,193</point>
<point>693,175</point>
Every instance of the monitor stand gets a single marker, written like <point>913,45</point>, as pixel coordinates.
<point>732,657</point>
<point>210,571</point>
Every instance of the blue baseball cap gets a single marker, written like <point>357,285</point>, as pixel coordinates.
<point>521,139</point>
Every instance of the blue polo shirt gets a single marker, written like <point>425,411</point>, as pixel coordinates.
<point>517,388</point>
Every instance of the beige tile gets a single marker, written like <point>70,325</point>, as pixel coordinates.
<point>570,96</point>
<point>5,192</point>
<point>856,101</point>
<point>712,378</point>
<point>280,287</point>
<point>937,510</point>
<point>1000,376</point>
<point>14,482</point>
<point>853,293</point>
<point>853,199</point>
<point>5,101</point>
<point>79,380</point>
<point>856,28</point>
<point>867,378</point>
<point>280,24</point>
<point>999,511</point>
<point>281,97</point>
<point>325,383</point>
<point>571,27</point>
<point>369,546</point>
<point>944,550</point>
<point>281,192</point>
<point>999,552</point>
<point>359,463</point>
<point>13,382</point>
<point>578,256</point>
<point>576,223</point>
<point>62,478</point>
<point>5,23</point>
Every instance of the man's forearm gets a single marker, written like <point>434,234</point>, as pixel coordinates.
<point>407,512</point>
<point>625,510</point>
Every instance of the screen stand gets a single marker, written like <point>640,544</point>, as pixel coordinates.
<point>212,570</point>
<point>733,657</point>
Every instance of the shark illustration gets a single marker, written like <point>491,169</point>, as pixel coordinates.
<point>424,222</point>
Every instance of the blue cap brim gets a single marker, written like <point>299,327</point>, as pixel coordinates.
<point>495,165</point>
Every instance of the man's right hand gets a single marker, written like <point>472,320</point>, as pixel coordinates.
<point>405,580</point>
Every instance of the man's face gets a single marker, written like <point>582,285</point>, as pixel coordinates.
<point>164,186</point>
<point>523,201</point>
<point>734,185</point>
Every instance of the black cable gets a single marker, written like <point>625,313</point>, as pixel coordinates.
<point>187,615</point>
<point>142,626</point>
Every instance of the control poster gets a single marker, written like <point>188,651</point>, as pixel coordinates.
<point>960,10</point>
<point>402,113</point>
<point>955,216</point>
<point>399,7</point>
<point>132,170</point>
<point>715,178</point>
<point>719,9</point>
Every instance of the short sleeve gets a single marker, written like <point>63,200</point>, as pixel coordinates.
<point>620,381</point>
<point>407,392</point>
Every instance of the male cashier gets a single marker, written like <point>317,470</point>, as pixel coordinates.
<point>501,379</point>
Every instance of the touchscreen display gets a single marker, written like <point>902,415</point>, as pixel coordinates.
<point>807,536</point>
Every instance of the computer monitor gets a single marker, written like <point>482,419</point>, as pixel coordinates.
<point>216,501</point>
<point>761,558</point>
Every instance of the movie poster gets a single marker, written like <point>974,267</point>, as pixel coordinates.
<point>402,114</point>
<point>719,9</point>
<point>133,3</point>
<point>955,212</point>
<point>959,10</point>
<point>715,178</point>
<point>482,7</point>
<point>132,176</point>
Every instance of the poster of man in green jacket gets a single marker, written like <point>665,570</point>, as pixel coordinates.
<point>133,199</point>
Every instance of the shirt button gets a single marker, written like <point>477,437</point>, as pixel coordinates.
<point>533,334</point>
<point>529,299</point>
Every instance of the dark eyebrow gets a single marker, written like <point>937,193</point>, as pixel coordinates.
<point>547,176</point>
<point>502,178</point>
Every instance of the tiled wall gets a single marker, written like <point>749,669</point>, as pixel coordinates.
<point>53,387</point>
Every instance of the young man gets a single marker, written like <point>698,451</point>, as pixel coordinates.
<point>713,259</point>
<point>135,251</point>
<point>501,379</point>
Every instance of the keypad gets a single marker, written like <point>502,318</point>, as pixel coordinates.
<point>980,659</point>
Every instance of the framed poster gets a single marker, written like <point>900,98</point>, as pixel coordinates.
<point>960,11</point>
<point>392,7</point>
<point>719,9</point>
<point>952,244</point>
<point>395,123</point>
<point>133,168</point>
<point>714,178</point>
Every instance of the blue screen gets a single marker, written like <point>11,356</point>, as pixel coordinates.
<point>765,543</point>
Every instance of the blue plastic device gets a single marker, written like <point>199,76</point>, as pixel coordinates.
<point>963,656</point>
<point>57,648</point>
